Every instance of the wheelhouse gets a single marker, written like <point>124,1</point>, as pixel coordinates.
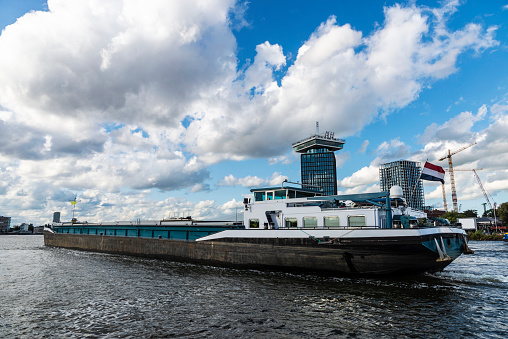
<point>279,193</point>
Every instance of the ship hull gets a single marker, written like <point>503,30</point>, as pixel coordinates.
<point>367,255</point>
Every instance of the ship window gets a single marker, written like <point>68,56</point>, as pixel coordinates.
<point>305,194</point>
<point>309,222</point>
<point>291,222</point>
<point>356,220</point>
<point>254,223</point>
<point>259,196</point>
<point>291,194</point>
<point>332,221</point>
<point>269,195</point>
<point>280,194</point>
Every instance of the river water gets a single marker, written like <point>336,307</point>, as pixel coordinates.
<point>54,292</point>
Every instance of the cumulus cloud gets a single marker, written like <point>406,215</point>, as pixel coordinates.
<point>156,64</point>
<point>456,129</point>
<point>391,151</point>
<point>283,159</point>
<point>252,181</point>
<point>365,176</point>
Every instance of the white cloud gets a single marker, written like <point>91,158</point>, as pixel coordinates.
<point>283,159</point>
<point>364,176</point>
<point>277,179</point>
<point>456,129</point>
<point>153,65</point>
<point>337,73</point>
<point>248,181</point>
<point>253,181</point>
<point>364,146</point>
<point>362,189</point>
<point>391,151</point>
<point>259,75</point>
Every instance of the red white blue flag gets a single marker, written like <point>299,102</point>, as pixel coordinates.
<point>433,173</point>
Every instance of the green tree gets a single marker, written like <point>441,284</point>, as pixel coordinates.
<point>502,212</point>
<point>451,216</point>
<point>489,213</point>
<point>469,214</point>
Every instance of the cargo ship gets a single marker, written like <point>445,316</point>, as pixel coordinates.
<point>288,228</point>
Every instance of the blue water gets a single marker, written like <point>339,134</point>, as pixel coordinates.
<point>53,292</point>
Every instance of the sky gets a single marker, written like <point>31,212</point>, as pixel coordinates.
<point>146,110</point>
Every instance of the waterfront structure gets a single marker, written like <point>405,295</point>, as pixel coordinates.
<point>406,174</point>
<point>5,224</point>
<point>318,166</point>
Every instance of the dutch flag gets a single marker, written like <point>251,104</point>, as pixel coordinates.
<point>433,173</point>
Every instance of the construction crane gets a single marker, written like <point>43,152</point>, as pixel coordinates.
<point>452,179</point>
<point>443,186</point>
<point>483,189</point>
<point>477,178</point>
<point>486,198</point>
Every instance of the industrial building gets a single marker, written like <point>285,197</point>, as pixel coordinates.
<point>405,174</point>
<point>319,169</point>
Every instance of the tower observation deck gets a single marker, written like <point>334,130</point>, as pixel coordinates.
<point>317,141</point>
<point>319,170</point>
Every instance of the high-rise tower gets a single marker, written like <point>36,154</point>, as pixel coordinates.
<point>405,174</point>
<point>319,171</point>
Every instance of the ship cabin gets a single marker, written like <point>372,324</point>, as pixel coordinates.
<point>290,207</point>
<point>278,193</point>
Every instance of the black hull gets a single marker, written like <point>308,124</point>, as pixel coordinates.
<point>368,256</point>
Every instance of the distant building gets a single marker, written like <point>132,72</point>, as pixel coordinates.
<point>38,229</point>
<point>468,224</point>
<point>405,174</point>
<point>26,228</point>
<point>5,224</point>
<point>319,169</point>
<point>56,216</point>
<point>490,225</point>
<point>23,228</point>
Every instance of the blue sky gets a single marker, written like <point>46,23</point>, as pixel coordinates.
<point>145,110</point>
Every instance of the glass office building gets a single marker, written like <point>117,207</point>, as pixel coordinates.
<point>319,170</point>
<point>405,174</point>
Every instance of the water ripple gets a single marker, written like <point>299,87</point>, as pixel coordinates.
<point>52,292</point>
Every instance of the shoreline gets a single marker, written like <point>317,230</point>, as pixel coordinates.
<point>478,236</point>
